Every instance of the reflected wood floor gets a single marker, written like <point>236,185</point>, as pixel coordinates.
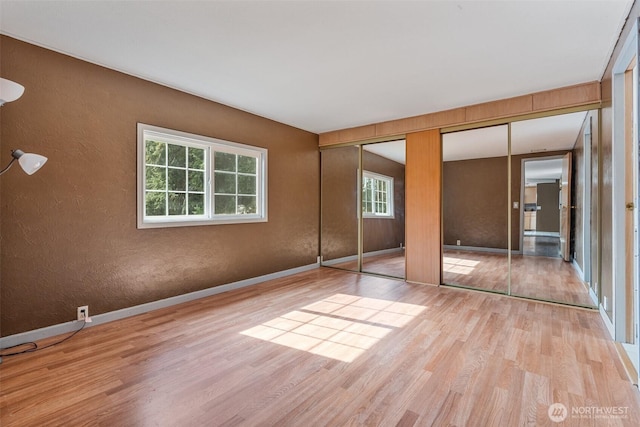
<point>548,246</point>
<point>544,278</point>
<point>277,354</point>
<point>390,264</point>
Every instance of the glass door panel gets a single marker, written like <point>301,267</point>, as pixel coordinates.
<point>339,212</point>
<point>476,208</point>
<point>552,226</point>
<point>382,197</point>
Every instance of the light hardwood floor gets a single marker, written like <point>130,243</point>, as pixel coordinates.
<point>327,348</point>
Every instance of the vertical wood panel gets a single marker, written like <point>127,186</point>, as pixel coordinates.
<point>423,207</point>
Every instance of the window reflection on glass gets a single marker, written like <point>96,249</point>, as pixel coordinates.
<point>377,194</point>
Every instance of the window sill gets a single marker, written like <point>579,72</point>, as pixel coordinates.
<point>191,223</point>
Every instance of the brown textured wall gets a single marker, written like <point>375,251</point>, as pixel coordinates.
<point>379,234</point>
<point>339,202</point>
<point>516,188</point>
<point>69,234</point>
<point>474,201</point>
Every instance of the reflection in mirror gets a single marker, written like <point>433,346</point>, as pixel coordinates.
<point>383,208</point>
<point>551,176</point>
<point>475,208</point>
<point>339,231</point>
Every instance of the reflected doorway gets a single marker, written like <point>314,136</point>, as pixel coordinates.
<point>511,220</point>
<point>541,207</point>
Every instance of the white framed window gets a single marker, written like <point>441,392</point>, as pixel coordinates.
<point>186,179</point>
<point>377,195</point>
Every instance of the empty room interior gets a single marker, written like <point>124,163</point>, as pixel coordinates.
<point>329,213</point>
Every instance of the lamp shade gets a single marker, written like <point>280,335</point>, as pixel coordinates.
<point>29,162</point>
<point>9,91</point>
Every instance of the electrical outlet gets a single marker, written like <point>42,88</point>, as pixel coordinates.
<point>83,312</point>
<point>458,242</point>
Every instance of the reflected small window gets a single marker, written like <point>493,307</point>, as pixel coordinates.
<point>377,195</point>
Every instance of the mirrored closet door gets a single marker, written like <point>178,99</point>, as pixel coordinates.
<point>383,221</point>
<point>551,177</point>
<point>475,208</point>
<point>520,208</point>
<point>339,207</point>
<point>363,208</point>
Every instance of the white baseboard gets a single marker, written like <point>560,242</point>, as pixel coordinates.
<point>593,296</point>
<point>339,260</point>
<point>607,322</point>
<point>381,252</point>
<point>578,269</point>
<point>62,328</point>
<point>479,249</point>
<point>364,255</point>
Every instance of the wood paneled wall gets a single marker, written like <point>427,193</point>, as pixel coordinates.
<point>566,97</point>
<point>424,207</point>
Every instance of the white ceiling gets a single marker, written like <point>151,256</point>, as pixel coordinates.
<point>392,150</point>
<point>527,136</point>
<point>326,65</point>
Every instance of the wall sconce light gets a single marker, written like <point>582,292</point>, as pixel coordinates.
<point>29,162</point>
<point>9,91</point>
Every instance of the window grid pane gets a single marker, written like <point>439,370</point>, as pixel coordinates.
<point>170,181</point>
<point>183,175</point>
<point>376,195</point>
<point>238,179</point>
<point>367,206</point>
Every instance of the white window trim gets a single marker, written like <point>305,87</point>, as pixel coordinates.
<point>193,140</point>
<point>390,195</point>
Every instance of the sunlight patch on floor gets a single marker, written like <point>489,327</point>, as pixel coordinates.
<point>341,327</point>
<point>458,265</point>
